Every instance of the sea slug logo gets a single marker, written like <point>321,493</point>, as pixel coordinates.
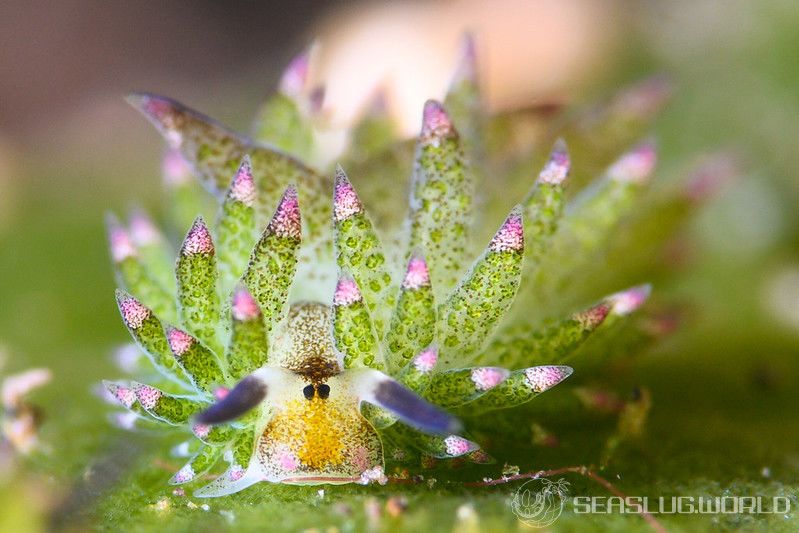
<point>539,502</point>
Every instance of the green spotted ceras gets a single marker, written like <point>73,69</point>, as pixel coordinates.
<point>298,354</point>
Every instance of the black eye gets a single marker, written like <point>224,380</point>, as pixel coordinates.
<point>323,390</point>
<point>308,391</point>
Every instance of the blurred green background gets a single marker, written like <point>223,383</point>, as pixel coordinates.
<point>724,387</point>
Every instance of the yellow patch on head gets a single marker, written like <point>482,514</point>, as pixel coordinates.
<point>312,429</point>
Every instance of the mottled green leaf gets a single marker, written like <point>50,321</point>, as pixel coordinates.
<point>148,332</point>
<point>248,348</point>
<point>197,278</point>
<point>413,323</point>
<point>442,194</point>
<point>441,447</point>
<point>273,261</point>
<point>543,206</point>
<point>236,227</point>
<point>520,387</point>
<point>359,250</point>
<point>353,331</point>
<point>124,395</point>
<point>198,465</point>
<point>378,417</point>
<point>473,310</point>
<point>215,435</point>
<point>199,363</point>
<point>241,451</point>
<point>457,387</point>
<point>214,152</point>
<point>172,409</point>
<point>552,343</point>
<point>418,373</point>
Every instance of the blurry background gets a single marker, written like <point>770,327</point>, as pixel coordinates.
<point>71,149</point>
